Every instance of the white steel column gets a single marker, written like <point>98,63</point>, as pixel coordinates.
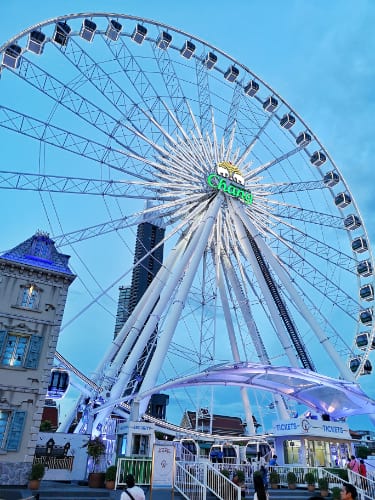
<point>197,249</point>
<point>302,308</point>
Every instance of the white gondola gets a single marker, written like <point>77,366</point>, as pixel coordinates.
<point>258,450</point>
<point>164,40</point>
<point>303,139</point>
<point>113,30</point>
<point>367,368</point>
<point>352,222</point>
<point>366,292</point>
<point>231,73</point>
<point>287,121</point>
<point>362,340</point>
<point>88,30</point>
<point>251,88</point>
<point>187,50</point>
<point>270,104</point>
<point>359,245</point>
<point>342,200</point>
<point>354,364</point>
<point>330,179</point>
<point>210,60</point>
<point>58,384</point>
<point>365,317</point>
<point>11,56</point>
<point>36,42</point>
<point>61,33</point>
<point>318,158</point>
<point>139,34</point>
<point>224,453</point>
<point>364,268</point>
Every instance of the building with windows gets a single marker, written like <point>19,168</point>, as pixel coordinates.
<point>34,282</point>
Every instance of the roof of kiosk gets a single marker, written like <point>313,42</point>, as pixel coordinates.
<point>337,398</point>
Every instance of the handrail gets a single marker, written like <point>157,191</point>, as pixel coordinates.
<point>187,484</point>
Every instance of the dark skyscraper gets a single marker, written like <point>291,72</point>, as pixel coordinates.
<point>148,236</point>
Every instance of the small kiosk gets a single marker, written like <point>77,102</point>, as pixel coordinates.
<point>312,441</point>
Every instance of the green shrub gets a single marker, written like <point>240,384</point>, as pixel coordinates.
<point>241,475</point>
<point>291,478</point>
<point>323,483</point>
<point>274,477</point>
<point>309,478</point>
<point>336,495</point>
<point>110,473</point>
<point>225,472</point>
<point>37,472</point>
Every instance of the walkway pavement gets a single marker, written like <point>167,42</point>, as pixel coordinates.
<point>53,490</point>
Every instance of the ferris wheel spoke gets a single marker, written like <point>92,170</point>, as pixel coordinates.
<point>204,96</point>
<point>312,275</point>
<point>293,187</point>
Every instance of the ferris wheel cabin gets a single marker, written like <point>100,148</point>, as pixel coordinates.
<point>139,34</point>
<point>303,139</point>
<point>113,30</point>
<point>257,450</point>
<point>58,384</point>
<point>342,200</point>
<point>287,121</point>
<point>355,363</point>
<point>366,292</point>
<point>61,33</point>
<point>318,158</point>
<point>231,73</point>
<point>210,60</point>
<point>352,222</point>
<point>11,56</point>
<point>359,245</point>
<point>164,40</point>
<point>251,88</point>
<point>187,50</point>
<point>88,30</point>
<point>365,317</point>
<point>330,179</point>
<point>270,104</point>
<point>36,42</point>
<point>364,268</point>
<point>224,453</point>
<point>362,341</point>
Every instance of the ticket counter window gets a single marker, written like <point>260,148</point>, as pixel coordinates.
<point>292,451</point>
<point>141,444</point>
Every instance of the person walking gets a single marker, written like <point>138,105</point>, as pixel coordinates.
<point>362,468</point>
<point>132,492</point>
<point>260,491</point>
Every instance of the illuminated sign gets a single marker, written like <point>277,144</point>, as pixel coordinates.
<point>227,172</point>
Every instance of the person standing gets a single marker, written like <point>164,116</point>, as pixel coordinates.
<point>273,460</point>
<point>132,492</point>
<point>353,464</point>
<point>362,468</point>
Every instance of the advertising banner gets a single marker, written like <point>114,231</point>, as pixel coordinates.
<point>163,459</point>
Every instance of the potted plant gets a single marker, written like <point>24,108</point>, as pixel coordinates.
<point>36,475</point>
<point>110,477</point>
<point>336,493</point>
<point>291,479</point>
<point>323,486</point>
<point>310,481</point>
<point>274,479</point>
<point>225,472</point>
<point>95,450</point>
<point>241,475</point>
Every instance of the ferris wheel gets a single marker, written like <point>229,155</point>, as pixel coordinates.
<point>111,121</point>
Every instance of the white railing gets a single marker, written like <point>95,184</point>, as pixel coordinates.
<point>187,484</point>
<point>365,485</point>
<point>204,474</point>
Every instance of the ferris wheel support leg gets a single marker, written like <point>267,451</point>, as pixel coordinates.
<point>235,352</point>
<point>192,253</point>
<point>196,251</point>
<point>303,309</point>
<point>278,324</point>
<point>122,344</point>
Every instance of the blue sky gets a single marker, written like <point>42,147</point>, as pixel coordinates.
<point>318,55</point>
